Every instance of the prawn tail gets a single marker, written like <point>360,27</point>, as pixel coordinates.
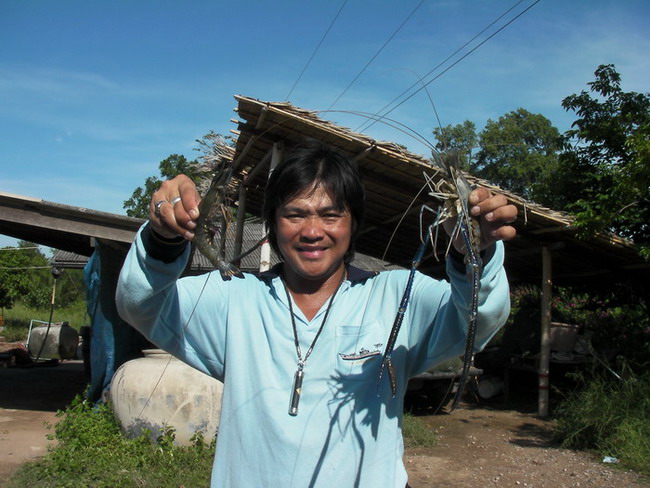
<point>392,377</point>
<point>474,266</point>
<point>228,270</point>
<point>387,365</point>
<point>467,364</point>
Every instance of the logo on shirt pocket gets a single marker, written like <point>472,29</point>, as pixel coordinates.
<point>362,354</point>
<point>358,347</point>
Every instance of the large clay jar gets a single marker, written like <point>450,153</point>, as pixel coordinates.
<point>159,391</point>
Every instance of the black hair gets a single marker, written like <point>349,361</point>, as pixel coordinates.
<point>306,166</point>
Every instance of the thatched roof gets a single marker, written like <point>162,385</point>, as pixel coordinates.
<point>393,176</point>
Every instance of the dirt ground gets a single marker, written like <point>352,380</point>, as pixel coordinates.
<point>478,446</point>
<point>481,447</point>
<point>29,397</point>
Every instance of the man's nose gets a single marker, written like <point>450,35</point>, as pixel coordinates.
<point>312,228</point>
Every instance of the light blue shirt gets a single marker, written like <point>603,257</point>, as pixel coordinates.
<point>346,433</point>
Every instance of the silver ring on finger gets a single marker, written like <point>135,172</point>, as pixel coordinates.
<point>157,207</point>
<point>175,200</point>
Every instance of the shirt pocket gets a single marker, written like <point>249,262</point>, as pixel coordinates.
<point>359,350</point>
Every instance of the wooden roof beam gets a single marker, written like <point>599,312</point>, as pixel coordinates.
<point>258,125</point>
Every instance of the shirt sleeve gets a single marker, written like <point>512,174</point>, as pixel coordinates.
<point>167,310</point>
<point>440,312</point>
<point>162,248</point>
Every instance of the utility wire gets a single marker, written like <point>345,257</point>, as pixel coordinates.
<point>316,50</point>
<point>362,128</point>
<point>18,248</point>
<point>377,54</point>
<point>379,117</point>
<point>24,267</point>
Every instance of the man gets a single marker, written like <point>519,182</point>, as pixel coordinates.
<point>298,348</point>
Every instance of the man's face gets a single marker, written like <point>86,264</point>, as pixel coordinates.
<point>312,235</point>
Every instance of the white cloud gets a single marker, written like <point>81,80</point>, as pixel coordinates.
<point>51,82</point>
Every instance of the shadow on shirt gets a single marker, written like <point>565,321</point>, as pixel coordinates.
<point>358,401</point>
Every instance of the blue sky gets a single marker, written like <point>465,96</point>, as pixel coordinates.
<point>94,94</point>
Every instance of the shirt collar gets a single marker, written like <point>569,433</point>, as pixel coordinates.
<point>355,275</point>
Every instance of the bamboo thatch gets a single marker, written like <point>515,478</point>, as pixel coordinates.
<point>393,176</point>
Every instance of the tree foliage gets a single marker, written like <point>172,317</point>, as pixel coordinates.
<point>604,178</point>
<point>599,170</point>
<point>519,152</point>
<point>211,148</point>
<point>20,272</point>
<point>461,138</point>
<point>175,164</point>
<point>26,275</point>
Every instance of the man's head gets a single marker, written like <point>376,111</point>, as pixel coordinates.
<point>307,167</point>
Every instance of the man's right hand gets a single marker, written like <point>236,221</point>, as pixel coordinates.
<point>174,208</point>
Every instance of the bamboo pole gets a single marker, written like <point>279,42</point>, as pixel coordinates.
<point>545,346</point>
<point>239,226</point>
<point>265,249</point>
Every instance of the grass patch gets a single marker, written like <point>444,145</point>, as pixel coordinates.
<point>18,317</point>
<point>13,333</point>
<point>417,433</point>
<point>91,451</point>
<point>610,417</point>
<point>20,314</point>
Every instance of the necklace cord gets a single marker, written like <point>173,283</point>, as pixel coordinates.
<point>296,389</point>
<point>301,361</point>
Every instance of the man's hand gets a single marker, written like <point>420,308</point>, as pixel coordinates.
<point>174,208</point>
<point>494,213</point>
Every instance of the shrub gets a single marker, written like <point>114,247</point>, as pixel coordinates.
<point>618,322</point>
<point>13,333</point>
<point>610,417</point>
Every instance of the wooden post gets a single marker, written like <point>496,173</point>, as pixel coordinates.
<point>239,226</point>
<point>265,249</point>
<point>545,346</point>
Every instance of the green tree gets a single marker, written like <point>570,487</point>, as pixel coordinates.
<point>605,168</point>
<point>212,147</point>
<point>70,287</point>
<point>21,271</point>
<point>138,204</point>
<point>461,138</point>
<point>519,152</point>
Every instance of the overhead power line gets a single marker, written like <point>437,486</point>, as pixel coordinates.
<point>18,248</point>
<point>23,267</point>
<point>390,38</point>
<point>316,50</point>
<point>381,115</point>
